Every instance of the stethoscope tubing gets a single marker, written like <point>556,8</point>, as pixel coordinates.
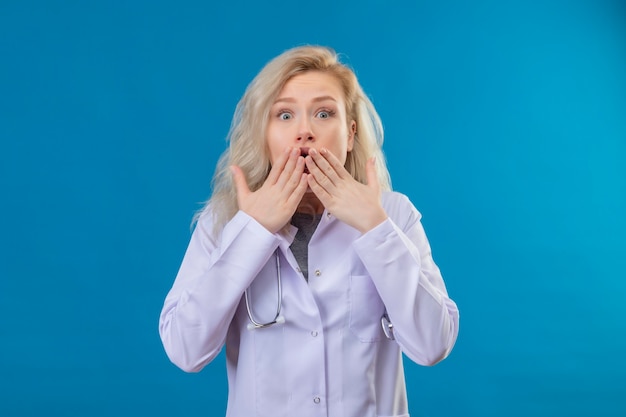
<point>278,319</point>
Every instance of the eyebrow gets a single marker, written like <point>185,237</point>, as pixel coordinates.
<point>293,100</point>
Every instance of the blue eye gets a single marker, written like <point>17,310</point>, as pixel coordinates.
<point>325,114</point>
<point>284,116</point>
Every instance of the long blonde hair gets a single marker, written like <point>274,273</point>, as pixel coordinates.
<point>247,142</point>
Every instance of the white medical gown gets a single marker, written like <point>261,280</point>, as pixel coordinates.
<point>330,357</point>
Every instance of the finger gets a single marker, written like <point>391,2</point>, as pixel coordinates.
<point>315,167</point>
<point>324,166</point>
<point>370,171</point>
<point>286,175</point>
<point>296,195</point>
<point>279,166</point>
<point>295,176</point>
<point>315,171</point>
<point>321,193</point>
<point>337,166</point>
<point>241,185</point>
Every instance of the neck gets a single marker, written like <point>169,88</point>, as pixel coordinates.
<point>310,204</point>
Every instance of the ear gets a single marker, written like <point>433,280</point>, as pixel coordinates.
<point>351,134</point>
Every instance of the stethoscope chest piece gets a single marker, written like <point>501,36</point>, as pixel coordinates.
<point>387,326</point>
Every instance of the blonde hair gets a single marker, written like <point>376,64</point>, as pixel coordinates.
<point>247,142</point>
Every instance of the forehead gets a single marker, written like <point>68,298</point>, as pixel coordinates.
<point>310,85</point>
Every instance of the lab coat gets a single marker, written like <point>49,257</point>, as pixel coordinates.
<point>330,357</point>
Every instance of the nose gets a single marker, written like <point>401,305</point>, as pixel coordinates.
<point>305,133</point>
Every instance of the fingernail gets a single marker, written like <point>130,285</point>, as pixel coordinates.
<point>312,151</point>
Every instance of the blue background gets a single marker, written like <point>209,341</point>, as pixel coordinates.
<point>505,124</point>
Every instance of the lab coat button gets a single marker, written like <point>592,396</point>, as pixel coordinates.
<point>314,333</point>
<point>316,400</point>
<point>318,272</point>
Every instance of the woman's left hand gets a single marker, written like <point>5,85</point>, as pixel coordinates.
<point>355,204</point>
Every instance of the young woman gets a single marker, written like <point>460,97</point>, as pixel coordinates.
<point>314,275</point>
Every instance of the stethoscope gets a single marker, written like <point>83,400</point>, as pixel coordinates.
<point>386,324</point>
<point>277,318</point>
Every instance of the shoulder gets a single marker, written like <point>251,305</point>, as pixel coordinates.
<point>204,219</point>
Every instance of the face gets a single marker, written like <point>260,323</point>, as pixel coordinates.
<point>310,112</point>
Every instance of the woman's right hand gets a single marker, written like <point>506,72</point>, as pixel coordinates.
<point>274,203</point>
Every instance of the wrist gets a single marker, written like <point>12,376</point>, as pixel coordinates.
<point>373,221</point>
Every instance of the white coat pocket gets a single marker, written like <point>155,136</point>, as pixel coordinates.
<point>366,309</point>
